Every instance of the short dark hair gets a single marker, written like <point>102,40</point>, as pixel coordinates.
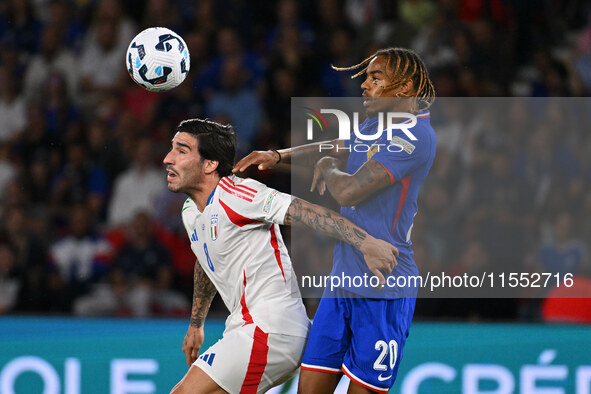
<point>216,142</point>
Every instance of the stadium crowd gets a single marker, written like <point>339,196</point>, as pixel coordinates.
<point>87,225</point>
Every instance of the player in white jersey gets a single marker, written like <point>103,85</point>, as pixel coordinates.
<point>233,227</point>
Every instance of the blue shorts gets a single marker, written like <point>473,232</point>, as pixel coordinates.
<point>361,337</point>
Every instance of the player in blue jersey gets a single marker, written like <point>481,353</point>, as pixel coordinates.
<point>361,331</point>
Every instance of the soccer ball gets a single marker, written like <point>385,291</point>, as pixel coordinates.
<point>158,59</point>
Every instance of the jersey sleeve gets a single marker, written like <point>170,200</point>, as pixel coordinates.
<point>254,200</point>
<point>402,157</point>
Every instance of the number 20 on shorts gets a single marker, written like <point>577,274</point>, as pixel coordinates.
<point>386,348</point>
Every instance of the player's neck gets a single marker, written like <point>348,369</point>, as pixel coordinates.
<point>201,195</point>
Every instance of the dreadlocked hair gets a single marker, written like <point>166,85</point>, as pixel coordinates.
<point>404,64</point>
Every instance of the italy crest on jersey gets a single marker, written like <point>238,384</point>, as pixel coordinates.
<point>213,227</point>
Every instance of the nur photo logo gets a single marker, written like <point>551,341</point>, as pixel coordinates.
<point>391,120</point>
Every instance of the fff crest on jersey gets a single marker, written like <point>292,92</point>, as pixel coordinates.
<point>213,227</point>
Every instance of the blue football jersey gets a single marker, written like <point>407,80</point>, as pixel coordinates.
<point>388,214</point>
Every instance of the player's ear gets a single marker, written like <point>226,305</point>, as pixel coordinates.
<point>210,166</point>
<point>407,89</point>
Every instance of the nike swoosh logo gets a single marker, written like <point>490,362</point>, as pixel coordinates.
<point>357,141</point>
<point>382,378</point>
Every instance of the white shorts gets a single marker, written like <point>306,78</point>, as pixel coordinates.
<point>248,360</point>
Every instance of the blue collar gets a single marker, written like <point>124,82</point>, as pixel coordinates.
<point>210,198</point>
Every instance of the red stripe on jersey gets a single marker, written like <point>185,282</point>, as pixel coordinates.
<point>235,193</point>
<point>405,185</point>
<point>392,179</point>
<point>231,185</point>
<point>237,218</point>
<point>257,362</point>
<point>275,246</point>
<point>250,189</point>
<point>241,186</point>
<point>245,312</point>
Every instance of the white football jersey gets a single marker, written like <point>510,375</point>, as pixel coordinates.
<point>238,243</point>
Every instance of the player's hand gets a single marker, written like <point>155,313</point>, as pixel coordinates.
<point>265,160</point>
<point>192,343</point>
<point>318,181</point>
<point>321,165</point>
<point>380,257</point>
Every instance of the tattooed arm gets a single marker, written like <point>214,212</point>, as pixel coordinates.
<point>347,189</point>
<point>203,293</point>
<point>379,255</point>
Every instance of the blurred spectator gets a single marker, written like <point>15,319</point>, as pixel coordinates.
<point>168,205</point>
<point>139,103</point>
<point>79,181</point>
<point>53,57</point>
<point>63,15</point>
<point>546,163</point>
<point>238,103</point>
<point>9,281</point>
<point>583,58</point>
<point>162,13</point>
<point>105,150</point>
<point>20,25</point>
<point>12,107</point>
<point>170,231</point>
<point>12,59</point>
<point>362,12</point>
<point>563,253</point>
<point>14,196</point>
<point>38,184</point>
<point>330,18</point>
<point>283,85</point>
<point>81,257</point>
<point>437,206</point>
<point>434,41</point>
<point>292,53</point>
<point>417,13</point>
<point>230,51</point>
<point>136,188</point>
<point>104,47</point>
<point>34,141</point>
<point>31,261</point>
<point>141,279</point>
<point>585,224</point>
<point>337,83</point>
<point>200,49</point>
<point>7,168</point>
<point>62,116</point>
<point>288,19</point>
<point>474,260</point>
<point>504,201</point>
<point>552,79</point>
<point>179,105</point>
<point>206,18</point>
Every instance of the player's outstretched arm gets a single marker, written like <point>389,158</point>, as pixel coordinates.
<point>380,256</point>
<point>349,189</point>
<point>306,155</point>
<point>203,293</point>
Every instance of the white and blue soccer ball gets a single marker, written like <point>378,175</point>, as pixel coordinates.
<point>158,59</point>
